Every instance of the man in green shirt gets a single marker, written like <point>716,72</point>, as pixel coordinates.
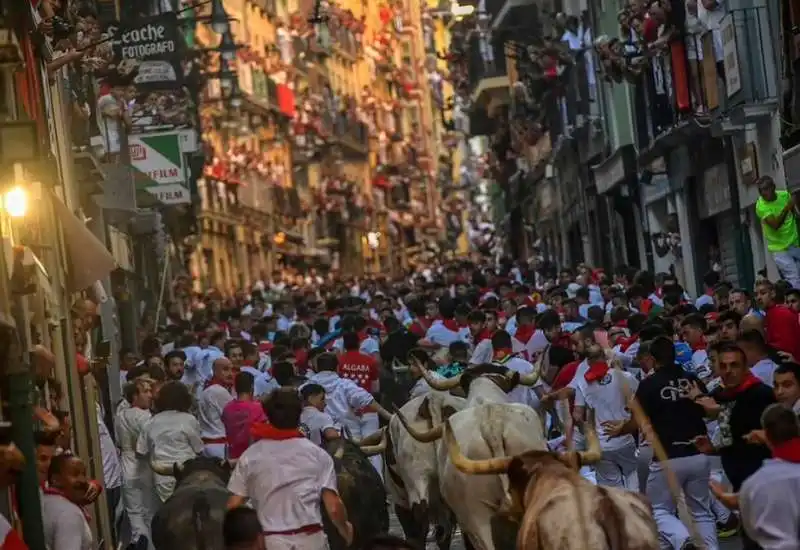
<point>776,210</point>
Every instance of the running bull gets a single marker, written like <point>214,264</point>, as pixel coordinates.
<point>557,509</point>
<point>488,426</point>
<point>191,518</point>
<point>411,471</point>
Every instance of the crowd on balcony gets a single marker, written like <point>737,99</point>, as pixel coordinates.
<point>648,34</point>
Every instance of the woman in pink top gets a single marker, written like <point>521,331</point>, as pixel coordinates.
<point>240,414</point>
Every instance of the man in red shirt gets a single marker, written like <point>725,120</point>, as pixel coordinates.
<point>358,367</point>
<point>780,322</point>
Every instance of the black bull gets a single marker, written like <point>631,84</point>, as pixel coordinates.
<point>191,519</point>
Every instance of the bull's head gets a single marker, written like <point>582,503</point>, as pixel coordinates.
<point>502,465</point>
<point>507,382</point>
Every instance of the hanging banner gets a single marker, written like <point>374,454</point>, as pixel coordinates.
<point>159,166</point>
<point>154,45</point>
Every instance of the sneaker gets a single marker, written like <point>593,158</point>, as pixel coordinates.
<point>729,528</point>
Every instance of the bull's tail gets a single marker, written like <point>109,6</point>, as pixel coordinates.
<point>201,516</point>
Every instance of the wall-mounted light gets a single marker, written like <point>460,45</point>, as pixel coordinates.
<point>457,10</point>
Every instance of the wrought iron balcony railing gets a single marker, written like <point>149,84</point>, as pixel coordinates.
<point>486,58</point>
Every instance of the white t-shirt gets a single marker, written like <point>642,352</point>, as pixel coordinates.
<point>209,411</point>
<point>607,398</point>
<point>764,370</point>
<point>65,525</point>
<point>314,422</point>
<point>482,353</point>
<point>169,437</point>
<point>284,481</point>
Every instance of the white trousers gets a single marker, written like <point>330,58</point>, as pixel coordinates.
<point>788,263</point>
<point>301,541</point>
<point>362,426</point>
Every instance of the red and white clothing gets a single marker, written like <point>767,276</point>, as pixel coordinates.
<point>9,538</point>
<point>283,480</point>
<point>360,368</point>
<point>212,402</point>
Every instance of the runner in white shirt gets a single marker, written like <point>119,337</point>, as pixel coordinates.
<point>601,389</point>
<point>315,423</point>
<point>172,435</point>
<point>138,479</point>
<point>66,525</point>
<point>503,356</point>
<point>216,394</point>
<point>288,479</point>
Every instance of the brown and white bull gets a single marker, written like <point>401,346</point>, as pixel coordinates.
<point>411,469</point>
<point>557,509</point>
<point>488,426</point>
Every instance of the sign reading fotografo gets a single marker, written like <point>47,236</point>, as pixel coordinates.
<point>158,166</point>
<point>154,44</point>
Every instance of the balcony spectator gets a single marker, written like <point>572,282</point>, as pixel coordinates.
<point>711,13</point>
<point>776,210</point>
<point>695,29</point>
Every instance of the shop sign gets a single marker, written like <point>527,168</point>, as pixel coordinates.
<point>159,167</point>
<point>154,45</point>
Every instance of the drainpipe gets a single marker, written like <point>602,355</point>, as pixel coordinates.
<point>744,253</point>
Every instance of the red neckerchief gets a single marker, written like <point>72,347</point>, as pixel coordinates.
<point>362,335</point>
<point>482,335</point>
<point>749,381</point>
<point>501,355</point>
<point>451,325</point>
<point>262,430</point>
<point>625,343</point>
<point>622,323</point>
<point>265,347</point>
<point>248,363</point>
<point>597,371</point>
<point>60,493</point>
<point>646,306</point>
<point>216,382</point>
<point>524,333</point>
<point>789,451</point>
<point>701,345</point>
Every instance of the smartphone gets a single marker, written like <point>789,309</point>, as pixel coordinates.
<point>103,349</point>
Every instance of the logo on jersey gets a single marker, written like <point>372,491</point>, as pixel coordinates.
<point>305,430</point>
<point>605,380</point>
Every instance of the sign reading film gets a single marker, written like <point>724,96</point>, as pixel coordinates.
<point>155,46</point>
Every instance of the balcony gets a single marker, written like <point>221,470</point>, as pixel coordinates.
<point>675,95</point>
<point>488,79</point>
<point>350,134</point>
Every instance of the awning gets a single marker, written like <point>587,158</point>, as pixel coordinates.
<point>87,257</point>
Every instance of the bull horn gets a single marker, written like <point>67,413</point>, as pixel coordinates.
<point>371,450</point>
<point>372,439</point>
<point>423,437</point>
<point>529,379</point>
<point>440,384</point>
<point>593,452</point>
<point>489,466</point>
<point>163,468</point>
<point>383,413</point>
<point>339,453</point>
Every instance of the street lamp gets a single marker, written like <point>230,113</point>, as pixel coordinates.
<point>219,19</point>
<point>227,47</point>
<point>226,75</point>
<point>15,202</point>
<point>235,95</point>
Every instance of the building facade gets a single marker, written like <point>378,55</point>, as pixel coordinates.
<point>644,160</point>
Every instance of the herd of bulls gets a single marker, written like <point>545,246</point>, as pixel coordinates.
<point>479,462</point>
